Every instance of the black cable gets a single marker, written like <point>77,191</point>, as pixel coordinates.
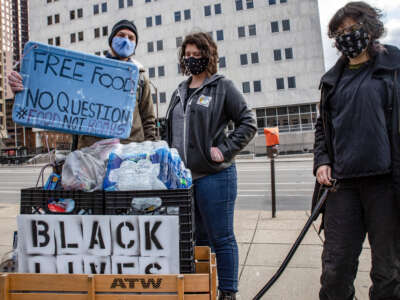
<point>292,251</point>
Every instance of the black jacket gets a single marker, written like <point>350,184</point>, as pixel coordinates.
<point>384,65</point>
<point>207,125</point>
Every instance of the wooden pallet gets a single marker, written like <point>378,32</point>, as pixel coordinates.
<point>199,286</point>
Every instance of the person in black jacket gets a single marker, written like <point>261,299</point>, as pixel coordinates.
<point>196,123</point>
<point>357,142</point>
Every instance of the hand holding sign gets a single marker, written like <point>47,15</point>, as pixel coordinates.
<point>74,92</point>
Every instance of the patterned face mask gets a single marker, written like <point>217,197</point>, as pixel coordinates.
<point>353,44</point>
<point>196,65</point>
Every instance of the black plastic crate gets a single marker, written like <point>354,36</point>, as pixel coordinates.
<point>119,203</point>
<point>35,201</point>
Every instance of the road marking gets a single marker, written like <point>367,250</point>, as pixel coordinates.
<point>263,195</point>
<point>276,169</point>
<point>279,190</point>
<point>278,183</point>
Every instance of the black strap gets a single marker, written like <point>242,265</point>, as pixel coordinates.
<point>395,94</point>
<point>140,86</point>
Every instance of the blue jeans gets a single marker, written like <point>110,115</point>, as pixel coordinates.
<point>215,197</point>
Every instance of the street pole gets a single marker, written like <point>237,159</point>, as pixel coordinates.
<point>272,144</point>
<point>273,193</point>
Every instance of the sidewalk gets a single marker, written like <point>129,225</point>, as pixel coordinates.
<point>263,244</point>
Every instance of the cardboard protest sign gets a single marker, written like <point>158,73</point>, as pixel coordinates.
<point>98,244</point>
<point>125,264</point>
<point>125,235</point>
<point>74,92</point>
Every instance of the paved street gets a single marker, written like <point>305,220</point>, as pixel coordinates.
<point>294,184</point>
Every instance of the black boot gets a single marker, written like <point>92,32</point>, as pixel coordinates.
<point>226,295</point>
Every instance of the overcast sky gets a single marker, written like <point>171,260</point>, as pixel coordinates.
<point>391,10</point>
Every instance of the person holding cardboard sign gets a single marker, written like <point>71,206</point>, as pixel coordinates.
<point>357,142</point>
<point>122,41</point>
<point>196,119</point>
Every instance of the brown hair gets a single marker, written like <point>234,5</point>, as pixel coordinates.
<point>207,48</point>
<point>370,18</point>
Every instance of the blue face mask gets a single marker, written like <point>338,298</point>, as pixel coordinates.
<point>123,46</point>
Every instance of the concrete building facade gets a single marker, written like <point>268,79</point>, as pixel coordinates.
<point>271,49</point>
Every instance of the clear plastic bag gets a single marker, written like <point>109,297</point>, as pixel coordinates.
<point>146,166</point>
<point>85,169</point>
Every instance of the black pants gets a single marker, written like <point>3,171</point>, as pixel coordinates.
<point>360,206</point>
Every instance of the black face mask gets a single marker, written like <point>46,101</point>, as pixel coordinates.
<point>196,65</point>
<point>353,44</point>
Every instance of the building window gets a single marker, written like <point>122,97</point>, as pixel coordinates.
<point>150,47</point>
<point>222,62</point>
<point>105,30</point>
<point>254,58</point>
<point>239,4</point>
<point>210,34</point>
<point>80,36</point>
<point>158,20</point>
<point>249,4</point>
<point>246,87</point>
<point>73,37</point>
<point>50,41</point>
<point>283,1</point>
<point>252,30</point>
<point>289,53</point>
<point>272,2</point>
<point>207,10</point>
<point>160,46</point>
<point>286,25</point>
<point>154,97</point>
<point>277,54</point>
<point>147,1</point>
<point>179,69</point>
<point>104,7</point>
<point>177,15</point>
<point>220,35</point>
<point>163,97</point>
<point>274,26</point>
<point>129,3</point>
<point>95,9</point>
<point>96,33</point>
<point>152,72</point>
<point>292,82</point>
<point>179,41</point>
<point>243,59</point>
<point>280,84</point>
<point>186,14</point>
<point>80,12</point>
<point>121,3</point>
<point>72,14</point>
<point>257,86</point>
<point>217,8</point>
<point>58,42</point>
<point>241,31</point>
<point>56,19</point>
<point>49,20</point>
<point>161,71</point>
<point>149,21</point>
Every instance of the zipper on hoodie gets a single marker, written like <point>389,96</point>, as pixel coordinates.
<point>184,118</point>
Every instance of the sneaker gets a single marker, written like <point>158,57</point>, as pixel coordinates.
<point>226,295</point>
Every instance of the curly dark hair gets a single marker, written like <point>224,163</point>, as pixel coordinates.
<point>361,12</point>
<point>207,47</point>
